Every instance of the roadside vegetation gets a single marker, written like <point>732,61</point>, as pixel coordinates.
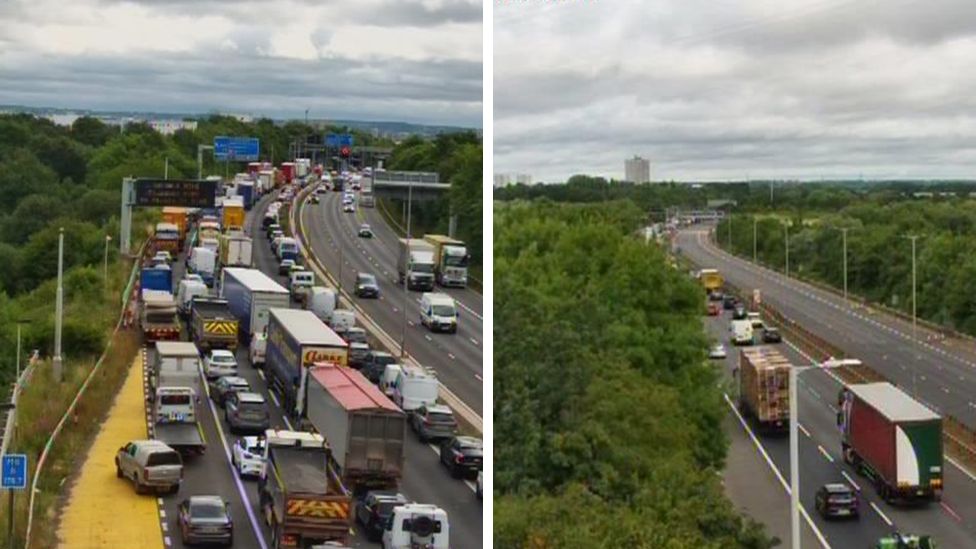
<point>607,414</point>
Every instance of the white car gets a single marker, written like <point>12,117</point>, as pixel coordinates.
<point>220,362</point>
<point>349,208</point>
<point>163,256</point>
<point>718,351</point>
<point>247,455</point>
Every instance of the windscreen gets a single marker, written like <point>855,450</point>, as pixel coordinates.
<point>437,417</point>
<point>163,458</point>
<point>443,310</point>
<point>209,510</point>
<point>422,268</point>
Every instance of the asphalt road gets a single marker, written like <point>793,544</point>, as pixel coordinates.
<point>424,479</point>
<point>941,373</point>
<point>457,358</point>
<point>953,521</point>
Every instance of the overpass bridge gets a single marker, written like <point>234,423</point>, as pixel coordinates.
<point>402,185</point>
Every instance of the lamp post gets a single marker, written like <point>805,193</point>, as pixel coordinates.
<point>844,233</point>
<point>406,276</point>
<point>913,238</point>
<point>105,262</point>
<point>59,312</point>
<point>786,233</point>
<point>755,230</point>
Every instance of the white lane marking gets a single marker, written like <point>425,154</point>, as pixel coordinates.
<point>950,511</point>
<point>881,514</point>
<point>804,429</point>
<point>451,356</point>
<point>468,309</point>
<point>850,480</point>
<point>478,377</point>
<point>427,337</point>
<point>162,513</point>
<point>825,454</point>
<point>159,501</point>
<point>261,375</point>
<point>769,461</point>
<point>473,340</point>
<point>165,526</point>
<point>167,541</point>
<point>274,398</point>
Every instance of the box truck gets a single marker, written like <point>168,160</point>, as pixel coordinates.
<point>415,262</point>
<point>764,387</point>
<point>250,294</point>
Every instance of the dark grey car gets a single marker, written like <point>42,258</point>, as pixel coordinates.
<point>375,365</point>
<point>433,421</point>
<point>366,285</point>
<point>205,519</point>
<point>223,386</point>
<point>374,510</point>
<point>246,413</point>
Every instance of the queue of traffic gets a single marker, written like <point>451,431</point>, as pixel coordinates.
<point>349,405</point>
<point>886,436</point>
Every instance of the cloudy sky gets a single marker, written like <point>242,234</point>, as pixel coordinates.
<point>728,89</point>
<point>401,60</point>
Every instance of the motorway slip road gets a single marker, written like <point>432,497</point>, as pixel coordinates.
<point>457,358</point>
<point>103,510</point>
<point>945,370</point>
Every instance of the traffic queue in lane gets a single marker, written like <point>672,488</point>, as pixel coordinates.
<point>304,374</point>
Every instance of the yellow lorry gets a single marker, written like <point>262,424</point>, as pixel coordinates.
<point>711,279</point>
<point>233,214</point>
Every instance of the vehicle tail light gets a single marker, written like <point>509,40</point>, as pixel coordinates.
<point>936,482</point>
<point>459,458</point>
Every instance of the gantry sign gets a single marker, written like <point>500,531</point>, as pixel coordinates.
<point>149,192</point>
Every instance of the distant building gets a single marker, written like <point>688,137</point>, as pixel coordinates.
<point>523,179</point>
<point>637,170</point>
<point>506,179</point>
<point>502,180</point>
<point>169,127</point>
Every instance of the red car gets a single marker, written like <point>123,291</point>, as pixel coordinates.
<point>713,309</point>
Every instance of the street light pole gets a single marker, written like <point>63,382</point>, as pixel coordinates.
<point>786,232</point>
<point>794,463</point>
<point>730,233</point>
<point>105,264</point>
<point>755,226</point>
<point>844,232</point>
<point>56,362</point>
<point>406,276</point>
<point>914,319</point>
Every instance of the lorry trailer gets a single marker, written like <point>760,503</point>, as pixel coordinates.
<point>250,294</point>
<point>296,340</point>
<point>764,387</point>
<point>363,427</point>
<point>893,440</point>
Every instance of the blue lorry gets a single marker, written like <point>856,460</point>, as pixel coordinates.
<point>249,294</point>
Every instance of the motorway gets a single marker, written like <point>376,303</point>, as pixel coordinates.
<point>424,479</point>
<point>333,239</point>
<point>943,374</point>
<point>952,522</point>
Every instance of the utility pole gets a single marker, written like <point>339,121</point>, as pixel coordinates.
<point>730,233</point>
<point>406,277</point>
<point>770,192</point>
<point>56,363</point>
<point>755,230</point>
<point>166,169</point>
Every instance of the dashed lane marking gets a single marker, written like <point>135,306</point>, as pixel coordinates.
<point>850,480</point>
<point>825,454</point>
<point>478,377</point>
<point>804,429</point>
<point>473,340</point>
<point>881,514</point>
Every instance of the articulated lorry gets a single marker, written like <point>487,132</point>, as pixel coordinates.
<point>450,260</point>
<point>158,316</point>
<point>174,383</point>
<point>364,428</point>
<point>415,263</point>
<point>250,294</point>
<point>212,325</point>
<point>302,499</point>
<point>296,340</point>
<point>764,387</point>
<point>893,440</point>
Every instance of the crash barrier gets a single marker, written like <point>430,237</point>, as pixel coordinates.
<point>10,426</point>
<point>39,469</point>
<point>465,415</point>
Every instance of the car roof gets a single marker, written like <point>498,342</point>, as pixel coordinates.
<point>470,441</point>
<point>837,488</point>
<point>235,380</point>
<point>221,352</point>
<point>439,409</point>
<point>206,500</point>
<point>250,397</point>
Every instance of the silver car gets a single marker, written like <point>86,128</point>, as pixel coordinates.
<point>220,362</point>
<point>205,519</point>
<point>246,412</point>
<point>433,421</point>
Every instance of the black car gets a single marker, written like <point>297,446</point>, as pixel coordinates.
<point>223,386</point>
<point>366,285</point>
<point>375,509</point>
<point>837,500</point>
<point>375,365</point>
<point>357,354</point>
<point>739,313</point>
<point>772,335</point>
<point>715,295</point>
<point>728,302</point>
<point>462,456</point>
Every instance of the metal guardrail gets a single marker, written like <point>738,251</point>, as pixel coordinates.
<point>464,412</point>
<point>38,470</point>
<point>11,423</point>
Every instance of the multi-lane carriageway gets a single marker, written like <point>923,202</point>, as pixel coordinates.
<point>952,522</point>
<point>424,479</point>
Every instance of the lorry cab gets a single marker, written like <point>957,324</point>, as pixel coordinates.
<point>438,312</point>
<point>414,387</point>
<point>416,525</point>
<point>287,248</point>
<point>741,332</point>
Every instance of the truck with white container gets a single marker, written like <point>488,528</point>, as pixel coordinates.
<point>250,294</point>
<point>415,264</point>
<point>364,428</point>
<point>296,340</point>
<point>173,389</point>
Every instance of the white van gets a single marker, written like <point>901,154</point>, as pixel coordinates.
<point>301,281</point>
<point>203,261</point>
<point>388,379</point>
<point>756,321</point>
<point>438,312</point>
<point>341,320</point>
<point>741,331</point>
<point>416,525</point>
<point>322,301</point>
<point>414,387</point>
<point>187,290</point>
<point>211,244</point>
<point>259,344</point>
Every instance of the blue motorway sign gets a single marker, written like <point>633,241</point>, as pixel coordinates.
<point>14,471</point>
<point>236,148</point>
<point>336,140</point>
